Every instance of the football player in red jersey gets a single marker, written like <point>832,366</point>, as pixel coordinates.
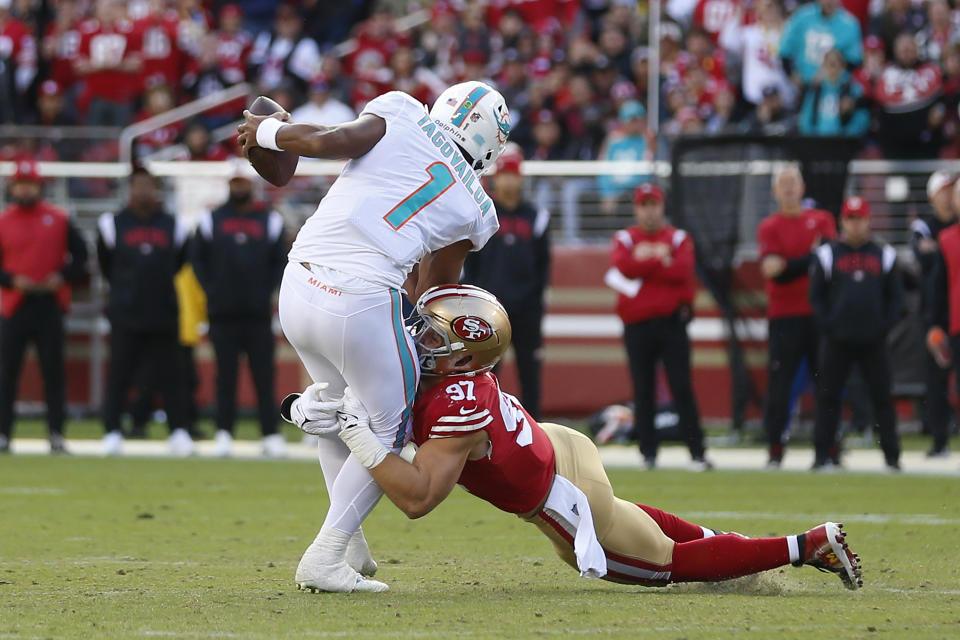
<point>473,434</point>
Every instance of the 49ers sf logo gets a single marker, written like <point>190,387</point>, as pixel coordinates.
<point>472,328</point>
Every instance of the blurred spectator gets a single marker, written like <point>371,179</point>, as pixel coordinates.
<point>856,294</point>
<point>547,142</point>
<point>652,272</point>
<point>939,34</point>
<point>911,111</point>
<point>140,249</point>
<point>756,45</point>
<point>41,254</point>
<point>221,62</point>
<point>109,61</point>
<point>515,266</point>
<point>18,60</point>
<point>199,146</point>
<point>162,50</point>
<point>831,103</point>
<point>158,100</point>
<point>50,106</point>
<point>813,30</point>
<point>874,61</point>
<point>321,108</point>
<point>924,235</point>
<point>714,16</point>
<point>583,116</point>
<point>786,241</point>
<point>239,252</point>
<point>285,54</point>
<point>61,45</point>
<point>630,142</point>
<point>896,17</point>
<point>771,117</point>
<point>417,81</point>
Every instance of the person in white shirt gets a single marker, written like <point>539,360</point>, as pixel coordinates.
<point>757,46</point>
<point>401,217</point>
<point>321,107</point>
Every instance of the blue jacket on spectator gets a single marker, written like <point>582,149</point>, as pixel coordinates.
<point>820,111</point>
<point>808,35</point>
<point>630,148</point>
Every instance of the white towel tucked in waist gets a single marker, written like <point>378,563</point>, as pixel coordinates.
<point>568,505</point>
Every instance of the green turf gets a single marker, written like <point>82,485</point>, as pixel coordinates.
<point>125,548</point>
<point>249,429</point>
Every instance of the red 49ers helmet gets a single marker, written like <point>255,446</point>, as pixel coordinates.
<point>459,330</point>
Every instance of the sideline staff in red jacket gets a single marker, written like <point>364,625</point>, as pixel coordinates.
<point>40,253</point>
<point>786,241</point>
<point>653,273</point>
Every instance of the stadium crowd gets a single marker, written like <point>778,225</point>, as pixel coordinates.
<point>887,72</point>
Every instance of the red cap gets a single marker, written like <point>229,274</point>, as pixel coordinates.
<point>27,170</point>
<point>510,163</point>
<point>855,206</point>
<point>231,9</point>
<point>872,43</point>
<point>647,191</point>
<point>49,88</point>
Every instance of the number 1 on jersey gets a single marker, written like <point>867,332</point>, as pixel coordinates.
<point>441,179</point>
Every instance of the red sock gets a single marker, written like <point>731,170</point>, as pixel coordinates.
<point>726,556</point>
<point>677,529</point>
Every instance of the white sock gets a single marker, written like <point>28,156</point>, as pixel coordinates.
<point>353,496</point>
<point>793,547</point>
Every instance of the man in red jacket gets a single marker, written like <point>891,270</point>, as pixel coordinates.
<point>40,252</point>
<point>786,240</point>
<point>652,270</point>
<point>943,313</point>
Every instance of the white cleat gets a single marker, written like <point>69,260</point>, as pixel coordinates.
<point>336,579</point>
<point>112,443</point>
<point>274,446</point>
<point>222,444</point>
<point>359,557</point>
<point>180,443</point>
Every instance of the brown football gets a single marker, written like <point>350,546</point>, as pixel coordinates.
<point>276,167</point>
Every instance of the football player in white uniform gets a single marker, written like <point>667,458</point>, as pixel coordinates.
<point>402,216</point>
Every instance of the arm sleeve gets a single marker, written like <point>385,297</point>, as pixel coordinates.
<point>106,244</point>
<point>818,291</point>
<point>6,278</point>
<point>200,249</point>
<point>796,268</point>
<point>76,268</point>
<point>622,258</point>
<point>681,267</point>
<point>919,229</point>
<point>541,247</point>
<point>893,295</point>
<point>938,313</point>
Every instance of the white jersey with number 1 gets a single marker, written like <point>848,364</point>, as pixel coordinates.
<point>410,195</point>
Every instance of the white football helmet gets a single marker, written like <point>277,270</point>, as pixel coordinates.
<point>475,116</point>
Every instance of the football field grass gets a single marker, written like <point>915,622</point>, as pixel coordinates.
<point>134,548</point>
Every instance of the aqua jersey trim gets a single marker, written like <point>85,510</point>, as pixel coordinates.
<point>407,363</point>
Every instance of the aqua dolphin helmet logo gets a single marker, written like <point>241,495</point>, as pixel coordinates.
<point>503,123</point>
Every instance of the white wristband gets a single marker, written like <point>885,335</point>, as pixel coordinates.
<point>267,133</point>
<point>364,445</point>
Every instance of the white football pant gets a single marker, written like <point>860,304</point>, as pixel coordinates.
<point>352,339</point>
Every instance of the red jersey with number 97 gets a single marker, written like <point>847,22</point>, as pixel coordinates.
<point>517,472</point>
